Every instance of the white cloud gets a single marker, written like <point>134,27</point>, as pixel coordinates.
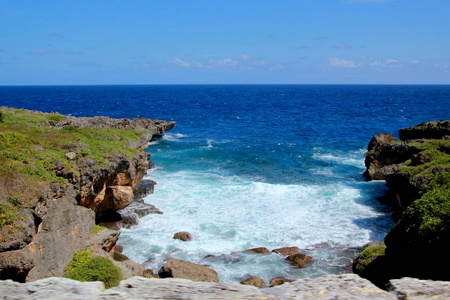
<point>441,66</point>
<point>341,46</point>
<point>245,57</point>
<point>341,63</point>
<point>146,65</point>
<point>392,61</point>
<point>415,61</point>
<point>226,62</point>
<point>186,64</point>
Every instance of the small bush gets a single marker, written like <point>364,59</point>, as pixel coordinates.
<point>97,269</point>
<point>1,117</point>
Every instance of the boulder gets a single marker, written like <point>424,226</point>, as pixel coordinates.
<point>254,281</point>
<point>279,281</point>
<point>287,250</point>
<point>175,268</point>
<point>262,250</point>
<point>412,288</point>
<point>183,236</point>
<point>122,196</point>
<point>145,188</point>
<point>300,260</point>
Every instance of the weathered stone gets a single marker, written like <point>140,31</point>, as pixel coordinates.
<point>183,236</point>
<point>175,268</point>
<point>330,287</point>
<point>299,259</point>
<point>70,155</point>
<point>262,250</point>
<point>287,250</point>
<point>51,288</point>
<point>412,288</point>
<point>122,196</point>
<point>254,281</point>
<point>279,281</point>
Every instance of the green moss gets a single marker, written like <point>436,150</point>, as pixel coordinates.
<point>434,154</point>
<point>79,258</point>
<point>8,213</point>
<point>120,257</point>
<point>97,228</point>
<point>368,255</point>
<point>97,269</point>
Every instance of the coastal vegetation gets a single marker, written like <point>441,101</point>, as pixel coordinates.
<point>96,269</point>
<point>33,154</point>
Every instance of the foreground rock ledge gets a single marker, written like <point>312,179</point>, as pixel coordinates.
<point>347,286</point>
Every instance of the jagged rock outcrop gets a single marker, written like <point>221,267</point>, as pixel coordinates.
<point>417,172</point>
<point>61,221</point>
<point>348,286</point>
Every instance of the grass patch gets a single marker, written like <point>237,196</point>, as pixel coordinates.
<point>368,255</point>
<point>96,229</point>
<point>79,258</point>
<point>97,269</point>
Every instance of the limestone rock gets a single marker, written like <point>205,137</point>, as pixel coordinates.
<point>262,250</point>
<point>51,288</point>
<point>145,188</point>
<point>122,196</point>
<point>287,250</point>
<point>175,268</point>
<point>254,281</point>
<point>183,236</point>
<point>70,155</point>
<point>329,287</point>
<point>299,259</point>
<point>412,288</point>
<point>437,130</point>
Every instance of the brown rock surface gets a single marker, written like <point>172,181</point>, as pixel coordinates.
<point>279,281</point>
<point>183,236</point>
<point>254,281</point>
<point>175,268</point>
<point>287,250</point>
<point>262,250</point>
<point>300,259</point>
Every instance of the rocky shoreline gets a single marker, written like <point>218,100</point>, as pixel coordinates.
<point>60,224</point>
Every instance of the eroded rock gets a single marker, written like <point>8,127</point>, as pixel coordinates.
<point>175,268</point>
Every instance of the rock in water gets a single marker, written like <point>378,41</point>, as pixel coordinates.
<point>287,250</point>
<point>258,250</point>
<point>183,236</point>
<point>255,281</point>
<point>300,259</point>
<point>176,268</point>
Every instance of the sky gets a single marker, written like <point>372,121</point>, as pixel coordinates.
<point>61,42</point>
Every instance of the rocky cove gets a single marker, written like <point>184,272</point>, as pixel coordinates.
<point>64,220</point>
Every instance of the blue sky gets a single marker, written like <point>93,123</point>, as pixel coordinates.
<point>215,42</point>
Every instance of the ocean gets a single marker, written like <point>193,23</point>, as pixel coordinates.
<point>255,166</point>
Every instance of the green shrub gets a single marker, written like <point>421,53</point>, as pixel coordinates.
<point>1,117</point>
<point>368,255</point>
<point>97,269</point>
<point>78,259</point>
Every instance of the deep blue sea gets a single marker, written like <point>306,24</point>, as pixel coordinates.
<point>255,166</point>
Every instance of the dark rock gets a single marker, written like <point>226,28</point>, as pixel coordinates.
<point>279,281</point>
<point>254,281</point>
<point>175,268</point>
<point>434,130</point>
<point>262,250</point>
<point>145,188</point>
<point>18,236</point>
<point>183,236</point>
<point>300,260</point>
<point>287,250</point>
<point>118,248</point>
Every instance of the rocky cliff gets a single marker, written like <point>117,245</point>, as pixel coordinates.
<point>58,175</point>
<point>417,171</point>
